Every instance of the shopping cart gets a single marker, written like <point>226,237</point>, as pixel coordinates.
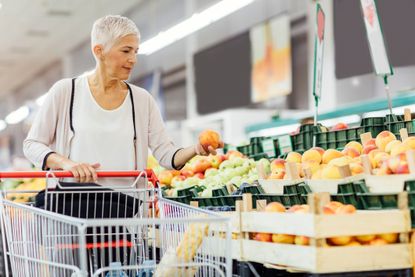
<point>89,230</point>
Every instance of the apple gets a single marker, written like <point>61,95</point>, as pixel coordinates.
<point>339,126</point>
<point>215,160</point>
<point>233,154</point>
<point>210,172</point>
<point>200,175</point>
<point>200,166</point>
<point>165,177</point>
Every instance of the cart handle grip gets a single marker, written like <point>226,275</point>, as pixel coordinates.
<point>151,176</point>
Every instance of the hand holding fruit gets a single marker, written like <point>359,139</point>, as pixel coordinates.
<point>209,141</point>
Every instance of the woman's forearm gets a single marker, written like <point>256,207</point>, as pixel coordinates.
<point>56,161</point>
<point>183,155</point>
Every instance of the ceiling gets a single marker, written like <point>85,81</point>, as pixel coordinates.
<point>34,33</point>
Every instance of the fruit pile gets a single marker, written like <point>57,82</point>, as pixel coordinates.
<point>210,172</point>
<point>32,186</point>
<point>386,154</point>
<point>332,208</point>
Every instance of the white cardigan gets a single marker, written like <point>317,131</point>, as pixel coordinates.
<point>51,130</point>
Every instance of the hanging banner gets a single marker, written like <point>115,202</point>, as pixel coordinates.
<point>271,74</point>
<point>318,51</point>
<point>375,38</point>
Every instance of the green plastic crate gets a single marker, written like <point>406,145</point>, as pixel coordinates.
<point>345,188</point>
<point>369,121</point>
<point>377,201</point>
<point>346,198</point>
<point>409,185</point>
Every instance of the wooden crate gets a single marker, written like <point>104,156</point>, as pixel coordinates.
<point>318,257</point>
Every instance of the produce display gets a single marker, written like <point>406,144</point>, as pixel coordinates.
<point>332,208</point>
<point>210,172</point>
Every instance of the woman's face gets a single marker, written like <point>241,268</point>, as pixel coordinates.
<point>120,59</point>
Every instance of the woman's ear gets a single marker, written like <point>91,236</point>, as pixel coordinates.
<point>99,52</point>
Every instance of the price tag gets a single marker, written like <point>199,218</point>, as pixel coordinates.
<point>284,144</point>
<point>269,148</point>
<point>318,51</point>
<point>375,37</point>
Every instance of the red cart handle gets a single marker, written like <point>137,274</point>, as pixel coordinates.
<point>151,176</point>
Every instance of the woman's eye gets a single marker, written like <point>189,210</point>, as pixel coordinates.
<point>126,51</point>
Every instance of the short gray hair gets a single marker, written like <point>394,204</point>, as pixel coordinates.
<point>108,29</point>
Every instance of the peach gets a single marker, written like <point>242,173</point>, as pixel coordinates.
<point>277,164</point>
<point>354,243</point>
<point>372,155</point>
<point>378,241</point>
<point>351,152</point>
<point>330,172</point>
<point>398,164</point>
<point>356,168</point>
<point>277,175</point>
<point>410,142</point>
<point>317,174</point>
<point>302,240</point>
<point>365,238</point>
<point>383,170</point>
<point>390,237</point>
<point>372,141</point>
<point>383,138</point>
<point>368,148</point>
<point>299,209</point>
<point>379,159</point>
<point>342,161</point>
<point>398,149</point>
<point>283,238</point>
<point>275,207</point>
<point>355,145</point>
<point>311,155</point>
<point>331,154</point>
<point>175,172</point>
<point>334,205</point>
<point>314,167</point>
<point>319,149</point>
<point>293,157</point>
<point>391,144</point>
<point>328,210</point>
<point>265,237</point>
<point>209,138</point>
<point>343,240</point>
<point>346,209</point>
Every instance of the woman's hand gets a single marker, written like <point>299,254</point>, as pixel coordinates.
<point>82,172</point>
<point>200,150</point>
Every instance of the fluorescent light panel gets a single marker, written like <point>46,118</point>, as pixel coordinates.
<point>194,23</point>
<point>17,115</point>
<point>3,125</point>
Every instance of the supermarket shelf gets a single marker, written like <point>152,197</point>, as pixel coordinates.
<point>403,99</point>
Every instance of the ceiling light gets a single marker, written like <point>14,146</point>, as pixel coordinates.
<point>194,23</point>
<point>17,115</point>
<point>3,124</point>
<point>41,99</point>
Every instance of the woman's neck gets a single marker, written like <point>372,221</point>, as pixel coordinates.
<point>104,83</point>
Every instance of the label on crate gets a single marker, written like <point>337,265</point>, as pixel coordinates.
<point>269,148</point>
<point>284,144</point>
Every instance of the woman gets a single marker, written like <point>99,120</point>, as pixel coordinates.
<point>99,121</point>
